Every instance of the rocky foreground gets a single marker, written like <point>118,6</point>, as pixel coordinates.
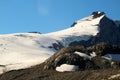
<point>96,68</point>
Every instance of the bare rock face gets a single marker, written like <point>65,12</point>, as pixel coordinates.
<point>103,48</point>
<point>103,63</point>
<point>67,56</point>
<point>56,46</point>
<point>97,14</point>
<point>109,33</point>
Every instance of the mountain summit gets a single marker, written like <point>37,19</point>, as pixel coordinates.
<point>97,14</point>
<point>109,30</point>
<point>22,50</point>
<point>94,15</point>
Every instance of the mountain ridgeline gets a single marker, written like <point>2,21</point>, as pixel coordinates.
<point>109,32</point>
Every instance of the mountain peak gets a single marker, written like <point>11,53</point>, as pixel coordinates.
<point>97,14</point>
<point>93,19</point>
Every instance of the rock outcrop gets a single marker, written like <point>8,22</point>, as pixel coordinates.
<point>67,56</point>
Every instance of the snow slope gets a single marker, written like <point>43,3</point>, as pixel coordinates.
<point>23,50</point>
<point>83,30</point>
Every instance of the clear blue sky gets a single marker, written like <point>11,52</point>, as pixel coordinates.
<point>50,15</point>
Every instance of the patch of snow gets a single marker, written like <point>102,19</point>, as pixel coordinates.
<point>93,54</point>
<point>115,57</point>
<point>83,55</point>
<point>114,76</point>
<point>99,12</point>
<point>67,67</point>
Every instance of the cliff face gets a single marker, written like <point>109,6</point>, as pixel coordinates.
<point>109,33</point>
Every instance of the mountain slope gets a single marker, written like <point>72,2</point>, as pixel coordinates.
<point>109,32</point>
<point>97,68</point>
<point>23,50</point>
<point>83,30</point>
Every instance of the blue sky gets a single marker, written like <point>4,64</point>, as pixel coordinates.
<point>50,15</point>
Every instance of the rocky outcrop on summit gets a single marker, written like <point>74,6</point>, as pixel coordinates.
<point>109,32</point>
<point>97,14</point>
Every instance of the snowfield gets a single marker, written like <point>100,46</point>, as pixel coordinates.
<point>22,50</point>
<point>83,30</point>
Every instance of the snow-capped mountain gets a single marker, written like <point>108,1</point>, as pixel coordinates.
<point>23,50</point>
<point>82,30</point>
<point>109,32</point>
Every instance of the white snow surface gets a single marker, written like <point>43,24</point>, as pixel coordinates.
<point>22,50</point>
<point>67,67</point>
<point>83,55</point>
<point>93,54</point>
<point>83,30</point>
